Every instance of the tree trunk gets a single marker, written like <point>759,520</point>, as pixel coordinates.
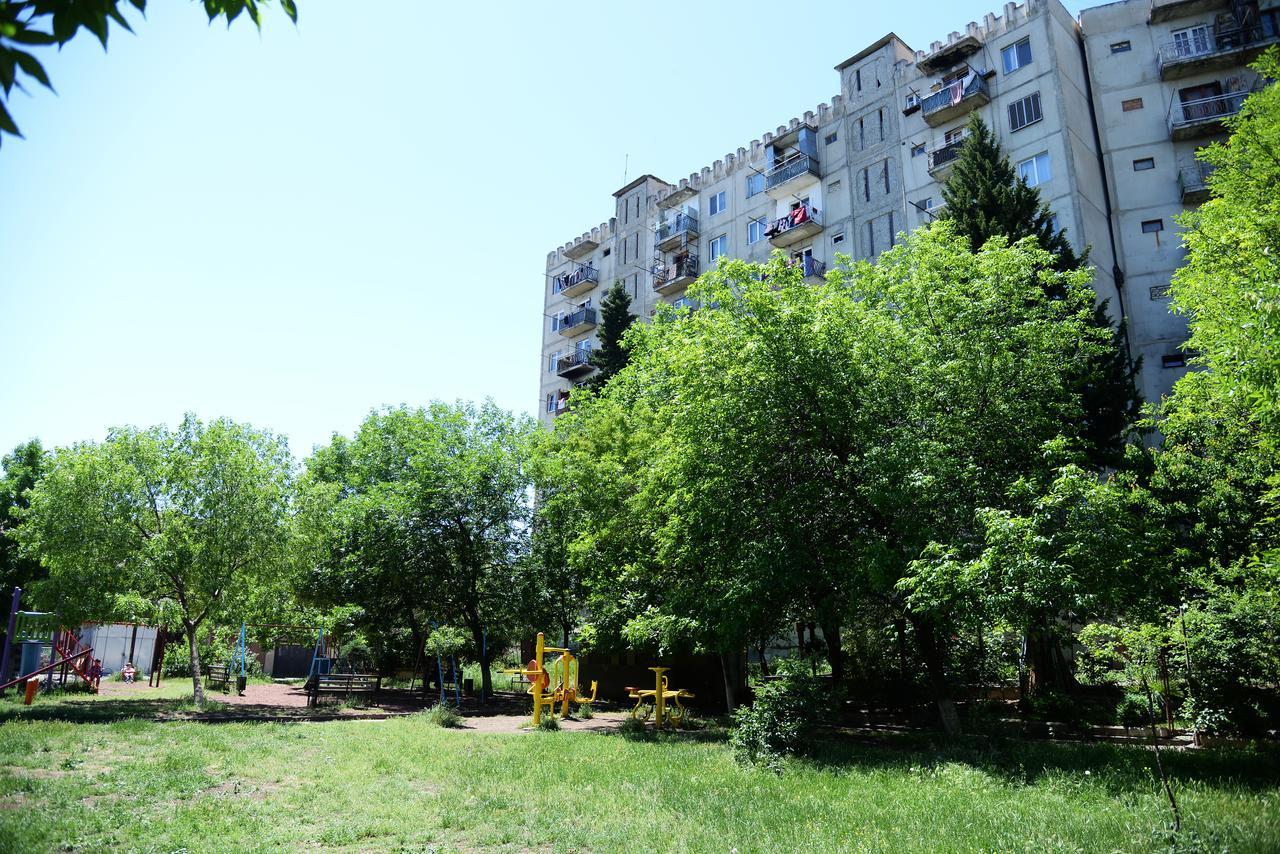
<point>197,687</point>
<point>1046,665</point>
<point>484,655</point>
<point>835,652</point>
<point>730,671</point>
<point>936,671</point>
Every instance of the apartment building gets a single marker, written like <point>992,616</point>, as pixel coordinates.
<point>1165,74</point>
<point>851,175</point>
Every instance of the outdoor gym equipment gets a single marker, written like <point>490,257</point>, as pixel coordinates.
<point>654,702</point>
<point>557,684</point>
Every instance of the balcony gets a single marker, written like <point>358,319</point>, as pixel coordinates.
<point>815,272</point>
<point>677,230</point>
<point>580,321</point>
<point>801,224</point>
<point>942,158</point>
<point>575,364</point>
<point>686,302</point>
<point>676,276</point>
<point>1169,10</point>
<point>1193,184</point>
<point>950,54</point>
<point>1203,116</point>
<point>580,280</point>
<point>790,175</point>
<point>1211,48</point>
<point>954,100</point>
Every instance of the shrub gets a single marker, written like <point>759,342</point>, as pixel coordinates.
<point>633,729</point>
<point>783,716</point>
<point>550,723</point>
<point>1132,710</point>
<point>584,712</point>
<point>443,715</point>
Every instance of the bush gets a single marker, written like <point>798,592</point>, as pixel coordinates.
<point>1058,707</point>
<point>443,715</point>
<point>550,723</point>
<point>633,729</point>
<point>1132,710</point>
<point>584,712</point>
<point>785,712</point>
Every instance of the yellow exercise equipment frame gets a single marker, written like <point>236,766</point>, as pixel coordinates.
<point>659,696</point>
<point>564,691</point>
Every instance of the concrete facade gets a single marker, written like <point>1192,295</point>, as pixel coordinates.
<point>867,166</point>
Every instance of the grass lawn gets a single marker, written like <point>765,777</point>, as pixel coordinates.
<point>402,784</point>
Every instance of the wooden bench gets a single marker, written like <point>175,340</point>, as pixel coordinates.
<point>343,685</point>
<point>218,674</point>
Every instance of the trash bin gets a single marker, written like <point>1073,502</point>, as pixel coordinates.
<point>33,685</point>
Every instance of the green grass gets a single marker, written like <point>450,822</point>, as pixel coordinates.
<point>403,784</point>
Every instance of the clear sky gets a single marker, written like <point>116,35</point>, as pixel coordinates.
<point>295,226</point>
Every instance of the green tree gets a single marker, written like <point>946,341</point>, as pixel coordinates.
<point>425,515</point>
<point>26,24</point>
<point>985,197</point>
<point>22,468</point>
<point>610,355</point>
<point>194,515</point>
<point>1229,286</point>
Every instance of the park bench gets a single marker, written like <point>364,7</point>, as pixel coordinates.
<point>218,675</point>
<point>342,685</point>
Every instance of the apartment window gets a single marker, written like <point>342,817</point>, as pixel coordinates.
<point>755,231</point>
<point>755,184</point>
<point>857,77</point>
<point>838,237</point>
<point>1025,112</point>
<point>924,204</point>
<point>1016,55</point>
<point>830,138</point>
<point>1035,170</point>
<point>882,124</point>
<point>1152,226</point>
<point>1159,292</point>
<point>886,175</point>
<point>551,403</point>
<point>866,186</point>
<point>871,238</point>
<point>556,320</point>
<point>893,232</point>
<point>1173,360</point>
<point>551,362</point>
<point>917,149</point>
<point>1121,47</point>
<point>953,135</point>
<point>716,204</point>
<point>1191,41</point>
<point>862,134</point>
<point>718,247</point>
<point>834,187</point>
<point>1131,104</point>
<point>1143,164</point>
<point>607,252</point>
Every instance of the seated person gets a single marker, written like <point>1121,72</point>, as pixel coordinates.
<point>129,673</point>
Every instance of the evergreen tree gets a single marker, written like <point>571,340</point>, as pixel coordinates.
<point>608,357</point>
<point>985,196</point>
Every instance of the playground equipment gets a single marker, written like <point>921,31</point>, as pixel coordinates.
<point>655,702</point>
<point>554,685</point>
<point>34,630</point>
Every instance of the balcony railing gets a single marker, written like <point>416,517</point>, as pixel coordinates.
<point>944,155</point>
<point>804,221</point>
<point>791,168</point>
<point>1193,183</point>
<point>679,228</point>
<point>1203,116</point>
<point>575,363</point>
<point>582,278</point>
<point>954,100</point>
<point>572,324</point>
<point>813,268</point>
<point>679,273</point>
<point>1214,47</point>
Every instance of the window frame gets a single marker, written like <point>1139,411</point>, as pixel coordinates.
<point>712,255</point>
<point>1022,106</point>
<point>1016,54</point>
<point>1035,163</point>
<point>717,203</point>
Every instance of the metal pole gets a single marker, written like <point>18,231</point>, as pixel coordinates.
<point>484,660</point>
<point>457,687</point>
<point>8,635</point>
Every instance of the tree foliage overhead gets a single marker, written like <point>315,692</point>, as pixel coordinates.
<point>26,24</point>
<point>196,515</point>
<point>21,469</point>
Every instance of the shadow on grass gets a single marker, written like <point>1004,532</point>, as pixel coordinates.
<point>1119,767</point>
<point>90,710</point>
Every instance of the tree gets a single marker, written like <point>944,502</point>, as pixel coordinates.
<point>609,355</point>
<point>986,197</point>
<point>1229,286</point>
<point>40,23</point>
<point>195,515</point>
<point>22,469</point>
<point>425,515</point>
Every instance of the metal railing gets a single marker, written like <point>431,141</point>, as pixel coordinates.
<point>784,224</point>
<point>954,93</point>
<point>684,267</point>
<point>1194,179</point>
<point>681,223</point>
<point>1218,40</point>
<point>581,274</point>
<point>571,361</point>
<point>944,154</point>
<point>792,167</point>
<point>577,318</point>
<point>1185,113</point>
<point>813,268</point>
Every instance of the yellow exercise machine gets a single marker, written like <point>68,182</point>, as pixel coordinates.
<point>554,685</point>
<point>655,702</point>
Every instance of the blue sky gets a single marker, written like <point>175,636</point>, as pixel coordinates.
<point>295,226</point>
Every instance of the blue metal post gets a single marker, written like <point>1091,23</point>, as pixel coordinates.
<point>8,635</point>
<point>484,660</point>
<point>243,649</point>
<point>457,687</point>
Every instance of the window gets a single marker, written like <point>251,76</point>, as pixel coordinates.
<point>716,205</point>
<point>953,135</point>
<point>607,252</point>
<point>866,186</point>
<point>1016,55</point>
<point>718,247</point>
<point>886,175</point>
<point>551,403</point>
<point>893,232</point>
<point>1173,360</point>
<point>838,237</point>
<point>1143,164</point>
<point>755,231</point>
<point>830,138</point>
<point>556,320</point>
<point>1025,112</point>
<point>551,362</point>
<point>755,184</point>
<point>834,187</point>
<point>862,134</point>
<point>857,76</point>
<point>881,123</point>
<point>1035,170</point>
<point>1159,292</point>
<point>924,204</point>
<point>917,149</point>
<point>1130,105</point>
<point>1191,41</point>
<point>1121,47</point>
<point>1152,226</point>
<point>871,238</point>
